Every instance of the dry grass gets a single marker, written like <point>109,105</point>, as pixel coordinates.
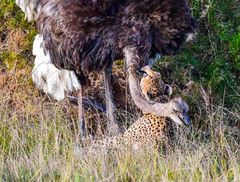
<point>15,41</point>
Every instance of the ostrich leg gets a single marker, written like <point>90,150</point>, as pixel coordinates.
<point>81,125</point>
<point>112,126</point>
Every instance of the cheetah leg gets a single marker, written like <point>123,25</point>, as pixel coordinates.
<point>82,126</point>
<point>112,126</point>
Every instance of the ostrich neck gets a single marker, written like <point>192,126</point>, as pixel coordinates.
<point>133,64</point>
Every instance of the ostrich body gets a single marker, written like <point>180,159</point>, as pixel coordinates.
<point>83,36</point>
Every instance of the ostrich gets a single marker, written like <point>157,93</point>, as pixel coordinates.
<point>82,36</point>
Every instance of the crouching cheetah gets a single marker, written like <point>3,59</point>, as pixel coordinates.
<point>149,129</point>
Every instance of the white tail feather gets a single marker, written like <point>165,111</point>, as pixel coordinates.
<point>47,77</point>
<point>30,8</point>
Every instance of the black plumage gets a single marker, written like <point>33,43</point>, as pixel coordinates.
<point>88,35</point>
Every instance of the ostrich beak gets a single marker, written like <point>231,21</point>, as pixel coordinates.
<point>180,119</point>
<point>186,120</point>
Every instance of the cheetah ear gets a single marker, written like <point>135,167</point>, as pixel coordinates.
<point>168,90</point>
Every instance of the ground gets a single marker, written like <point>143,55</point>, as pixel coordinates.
<point>38,136</point>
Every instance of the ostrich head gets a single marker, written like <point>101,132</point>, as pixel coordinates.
<point>179,112</point>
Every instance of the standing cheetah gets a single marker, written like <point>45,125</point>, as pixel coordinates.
<point>150,129</point>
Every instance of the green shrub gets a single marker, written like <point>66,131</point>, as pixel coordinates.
<point>214,56</point>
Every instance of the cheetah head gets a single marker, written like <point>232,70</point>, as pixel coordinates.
<point>147,72</point>
<point>179,112</point>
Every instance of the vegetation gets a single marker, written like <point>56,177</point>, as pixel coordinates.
<point>39,137</point>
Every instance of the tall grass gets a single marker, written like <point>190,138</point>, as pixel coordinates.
<point>45,148</point>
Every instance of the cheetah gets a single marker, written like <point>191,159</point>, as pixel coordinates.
<point>149,129</point>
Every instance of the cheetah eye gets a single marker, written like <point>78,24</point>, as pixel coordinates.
<point>141,72</point>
